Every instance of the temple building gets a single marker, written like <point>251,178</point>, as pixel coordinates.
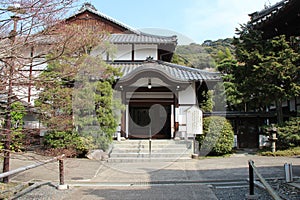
<point>159,96</point>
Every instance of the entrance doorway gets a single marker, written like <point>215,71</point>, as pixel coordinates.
<point>149,121</point>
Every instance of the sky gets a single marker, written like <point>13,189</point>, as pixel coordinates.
<point>192,20</point>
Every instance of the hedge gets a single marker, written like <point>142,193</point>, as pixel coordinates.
<point>217,138</point>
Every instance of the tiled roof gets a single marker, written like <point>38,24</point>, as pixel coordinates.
<point>266,14</point>
<point>177,71</point>
<point>141,38</point>
<point>280,19</point>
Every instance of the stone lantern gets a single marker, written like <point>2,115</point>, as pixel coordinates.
<point>273,137</point>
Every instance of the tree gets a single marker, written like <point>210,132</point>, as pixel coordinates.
<point>66,110</point>
<point>206,103</point>
<point>76,95</point>
<point>268,70</point>
<point>227,65</point>
<point>21,25</point>
<point>94,104</point>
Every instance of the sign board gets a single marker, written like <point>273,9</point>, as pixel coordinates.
<point>194,121</point>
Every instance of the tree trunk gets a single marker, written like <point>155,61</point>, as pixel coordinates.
<point>279,110</point>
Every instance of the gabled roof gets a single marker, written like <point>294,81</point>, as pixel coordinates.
<point>90,8</point>
<point>178,72</point>
<point>131,36</point>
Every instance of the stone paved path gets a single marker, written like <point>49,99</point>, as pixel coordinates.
<point>121,180</point>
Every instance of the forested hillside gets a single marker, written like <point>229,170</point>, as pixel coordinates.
<point>203,56</point>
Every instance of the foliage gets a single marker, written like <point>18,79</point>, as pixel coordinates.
<point>268,69</point>
<point>219,97</point>
<point>207,102</point>
<point>218,132</point>
<point>180,60</point>
<point>294,151</point>
<point>17,114</point>
<point>94,105</point>
<point>76,90</point>
<point>289,134</point>
<point>202,56</point>
<point>68,140</point>
<point>21,29</point>
<point>227,65</point>
<point>55,102</point>
<point>74,99</point>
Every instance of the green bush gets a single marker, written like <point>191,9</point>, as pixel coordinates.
<point>289,134</point>
<point>68,140</point>
<point>218,136</point>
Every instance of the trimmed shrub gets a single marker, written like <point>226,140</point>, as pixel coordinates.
<point>218,136</point>
<point>65,140</point>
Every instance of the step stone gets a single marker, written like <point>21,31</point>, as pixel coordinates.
<point>161,151</point>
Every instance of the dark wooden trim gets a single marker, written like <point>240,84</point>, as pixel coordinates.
<point>150,101</point>
<point>186,104</point>
<point>146,89</point>
<point>132,53</point>
<point>32,70</point>
<point>153,89</point>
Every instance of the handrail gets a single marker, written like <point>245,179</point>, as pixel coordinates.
<point>268,187</point>
<point>22,169</point>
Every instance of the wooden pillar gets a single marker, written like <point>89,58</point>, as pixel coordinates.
<point>172,121</point>
<point>127,120</point>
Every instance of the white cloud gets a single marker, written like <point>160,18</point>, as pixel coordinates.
<point>215,19</point>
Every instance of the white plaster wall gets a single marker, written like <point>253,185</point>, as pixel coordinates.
<point>186,99</point>
<point>293,105</point>
<point>187,96</point>
<point>123,52</point>
<point>142,51</point>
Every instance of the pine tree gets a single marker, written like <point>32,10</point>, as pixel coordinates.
<point>268,70</point>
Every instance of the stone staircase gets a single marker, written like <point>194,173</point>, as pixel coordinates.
<point>161,151</point>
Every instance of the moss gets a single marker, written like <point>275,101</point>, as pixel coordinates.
<point>289,152</point>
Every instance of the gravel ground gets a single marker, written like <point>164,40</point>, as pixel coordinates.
<point>284,190</point>
<point>239,193</point>
<point>42,191</point>
<point>48,191</point>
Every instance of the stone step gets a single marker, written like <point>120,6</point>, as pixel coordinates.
<point>153,144</point>
<point>133,160</point>
<point>146,150</point>
<point>153,141</point>
<point>152,147</point>
<point>161,150</point>
<point>147,155</point>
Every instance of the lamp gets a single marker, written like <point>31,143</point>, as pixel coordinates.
<point>149,84</point>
